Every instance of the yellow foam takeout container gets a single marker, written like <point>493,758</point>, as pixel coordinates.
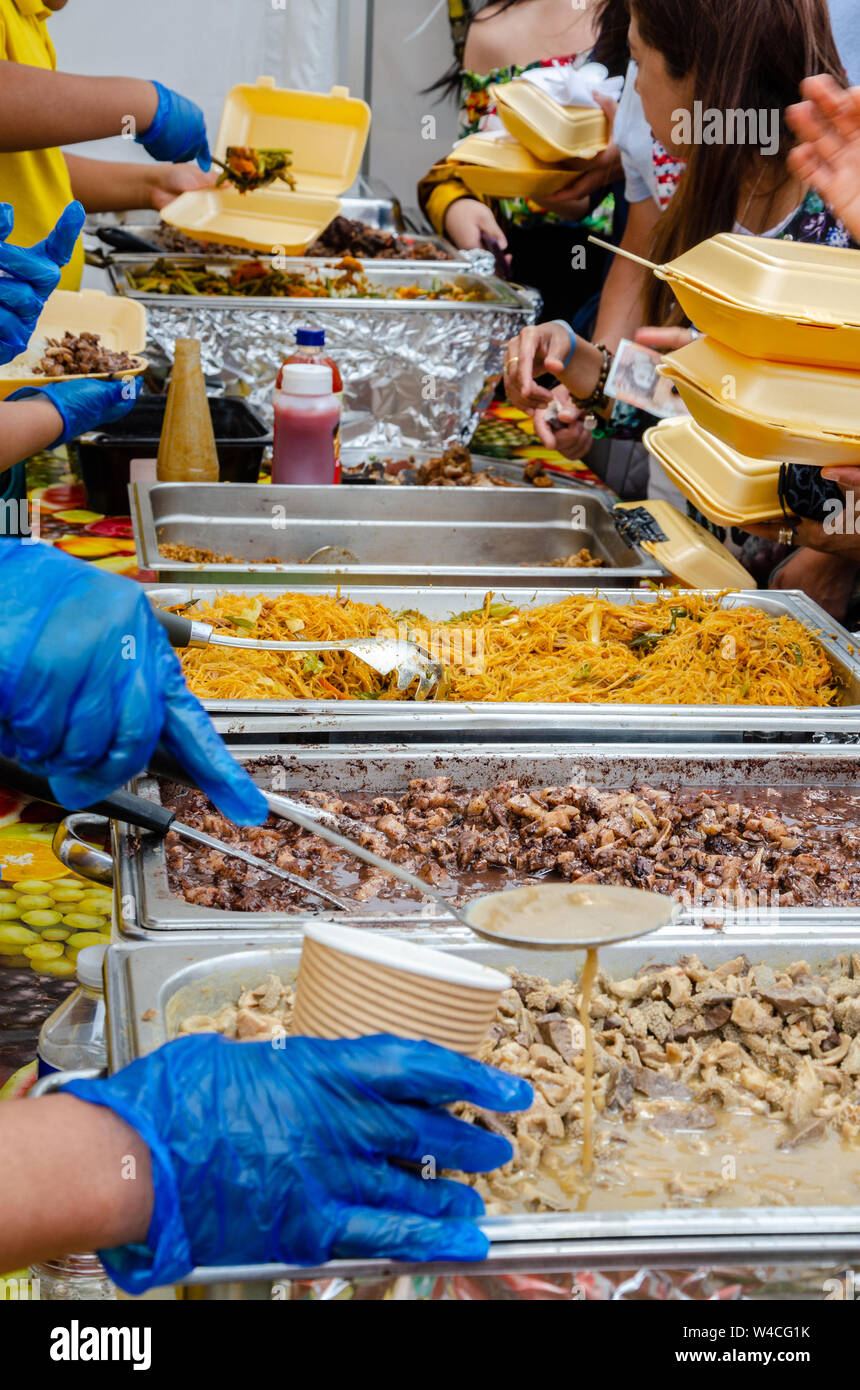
<point>326,133</point>
<point>780,412</point>
<point>813,283</point>
<point>764,335</point>
<point>119,322</point>
<point>548,130</point>
<point>275,224</point>
<point>504,169</point>
<point>689,552</point>
<point>727,487</point>
<point>782,301</point>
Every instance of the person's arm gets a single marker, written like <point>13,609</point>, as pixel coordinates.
<point>620,311</point>
<point>25,428</point>
<point>73,1176</point>
<point>42,109</point>
<point>104,186</point>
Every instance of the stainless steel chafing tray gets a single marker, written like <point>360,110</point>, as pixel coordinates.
<point>524,719</point>
<point>372,203</point>
<point>383,214</point>
<point>147,908</point>
<point>398,535</point>
<point>150,988</point>
<point>414,369</point>
<point>383,276</point>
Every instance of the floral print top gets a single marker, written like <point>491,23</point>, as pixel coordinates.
<point>476,108</point>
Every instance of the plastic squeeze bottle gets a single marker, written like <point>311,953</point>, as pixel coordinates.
<point>186,451</point>
<point>307,426</point>
<point>310,347</point>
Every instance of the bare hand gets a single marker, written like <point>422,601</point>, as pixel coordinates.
<point>847,478</point>
<point>566,432</point>
<point>828,580</point>
<point>830,537</point>
<point>663,339</point>
<point>533,352</point>
<point>167,181</point>
<point>571,202</point>
<point>466,221</point>
<point>828,124</point>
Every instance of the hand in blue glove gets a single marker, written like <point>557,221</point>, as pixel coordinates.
<point>178,132</point>
<point>85,404</point>
<point>30,274</point>
<point>290,1152</point>
<point>89,684</point>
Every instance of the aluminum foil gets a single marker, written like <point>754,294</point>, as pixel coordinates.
<point>420,375</point>
<point>706,1284</point>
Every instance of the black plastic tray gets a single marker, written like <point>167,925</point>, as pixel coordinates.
<point>105,455</point>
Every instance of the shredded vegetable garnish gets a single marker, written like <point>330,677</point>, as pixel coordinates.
<point>677,650</point>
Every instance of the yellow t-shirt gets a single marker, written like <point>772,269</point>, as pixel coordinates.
<point>35,182</point>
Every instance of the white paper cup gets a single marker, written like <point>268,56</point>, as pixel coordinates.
<point>352,983</point>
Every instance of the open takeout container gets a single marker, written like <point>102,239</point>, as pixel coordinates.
<point>505,169</point>
<point>781,412</point>
<point>121,325</point>
<point>548,130</point>
<point>690,553</point>
<point>326,134</point>
<point>727,487</point>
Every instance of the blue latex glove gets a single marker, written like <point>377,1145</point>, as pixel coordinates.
<point>84,405</point>
<point>89,684</point>
<point>178,132</point>
<point>288,1152</point>
<point>30,274</point>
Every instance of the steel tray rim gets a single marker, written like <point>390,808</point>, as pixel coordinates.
<point>714,1234</point>
<point>157,914</point>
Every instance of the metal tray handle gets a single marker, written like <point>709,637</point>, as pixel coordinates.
<point>47,1085</point>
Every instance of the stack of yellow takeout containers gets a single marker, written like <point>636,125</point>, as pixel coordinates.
<point>777,379</point>
<point>545,145</point>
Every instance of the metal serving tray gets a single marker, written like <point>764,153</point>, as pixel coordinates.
<point>398,535</point>
<point>143,978</point>
<point>381,275</point>
<point>525,719</point>
<point>415,369</point>
<point>374,204</point>
<point>149,909</point>
<point>382,213</point>
<point>477,262</point>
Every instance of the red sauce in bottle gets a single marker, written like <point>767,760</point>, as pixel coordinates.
<point>307,426</point>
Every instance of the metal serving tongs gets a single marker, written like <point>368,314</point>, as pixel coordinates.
<point>149,815</point>
<point>382,654</point>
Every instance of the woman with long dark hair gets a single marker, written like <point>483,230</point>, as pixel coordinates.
<point>499,42</point>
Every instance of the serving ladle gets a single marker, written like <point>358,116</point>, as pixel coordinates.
<point>385,655</point>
